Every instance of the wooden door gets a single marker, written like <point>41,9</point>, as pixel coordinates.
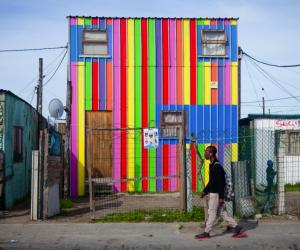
<point>99,143</point>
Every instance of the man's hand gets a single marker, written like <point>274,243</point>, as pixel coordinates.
<point>202,194</point>
<point>221,201</point>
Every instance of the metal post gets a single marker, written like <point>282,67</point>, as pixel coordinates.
<point>183,188</point>
<point>240,52</point>
<point>280,174</point>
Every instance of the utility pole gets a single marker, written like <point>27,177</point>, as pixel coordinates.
<point>263,100</point>
<point>240,53</point>
<point>39,102</point>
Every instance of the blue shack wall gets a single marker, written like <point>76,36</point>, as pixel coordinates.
<point>18,113</point>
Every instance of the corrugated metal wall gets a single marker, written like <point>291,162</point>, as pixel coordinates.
<point>154,64</point>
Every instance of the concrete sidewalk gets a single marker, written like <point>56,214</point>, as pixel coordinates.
<point>283,235</point>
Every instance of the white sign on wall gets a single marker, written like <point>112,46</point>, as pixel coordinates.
<point>287,124</point>
<point>150,138</point>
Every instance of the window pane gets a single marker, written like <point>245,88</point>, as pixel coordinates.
<point>213,49</point>
<point>94,35</point>
<point>214,35</point>
<point>294,143</point>
<point>95,49</point>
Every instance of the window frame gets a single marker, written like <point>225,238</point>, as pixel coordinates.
<point>19,158</point>
<point>84,41</point>
<point>288,148</point>
<point>223,42</point>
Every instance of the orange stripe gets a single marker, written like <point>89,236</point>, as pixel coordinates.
<point>214,96</point>
<point>213,22</point>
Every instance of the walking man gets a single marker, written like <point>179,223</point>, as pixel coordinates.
<point>215,190</point>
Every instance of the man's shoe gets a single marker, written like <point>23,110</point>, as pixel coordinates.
<point>202,236</point>
<point>237,229</point>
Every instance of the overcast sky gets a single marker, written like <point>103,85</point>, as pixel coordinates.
<point>269,30</point>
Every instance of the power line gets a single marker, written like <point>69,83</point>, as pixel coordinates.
<point>272,100</point>
<point>56,69</point>
<point>32,49</point>
<point>270,64</point>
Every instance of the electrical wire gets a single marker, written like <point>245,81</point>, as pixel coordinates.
<point>270,64</point>
<point>32,49</point>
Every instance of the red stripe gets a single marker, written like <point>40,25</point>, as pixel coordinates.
<point>123,104</point>
<point>144,99</point>
<point>193,59</point>
<point>95,91</point>
<point>165,51</point>
<point>94,21</point>
<point>193,167</point>
<point>166,167</point>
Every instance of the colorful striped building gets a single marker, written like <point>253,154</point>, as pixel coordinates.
<point>137,67</point>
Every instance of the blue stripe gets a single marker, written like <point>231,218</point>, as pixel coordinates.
<point>228,42</point>
<point>73,47</point>
<point>227,124</point>
<point>102,27</point>
<point>79,43</point>
<point>110,40</point>
<point>207,124</point>
<point>214,117</point>
<point>234,122</point>
<point>200,128</point>
<point>233,43</point>
<point>199,42</point>
<point>221,124</point>
<point>193,119</point>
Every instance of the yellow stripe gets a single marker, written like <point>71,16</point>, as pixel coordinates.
<point>234,83</point>
<point>207,92</point>
<point>207,22</point>
<point>80,21</point>
<point>130,79</point>
<point>206,168</point>
<point>234,152</point>
<point>186,62</point>
<point>233,22</point>
<point>81,134</point>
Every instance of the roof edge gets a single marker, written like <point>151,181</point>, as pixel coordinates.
<point>138,17</point>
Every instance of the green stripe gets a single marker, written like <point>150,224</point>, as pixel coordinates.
<point>200,83</point>
<point>199,184</point>
<point>137,104</point>
<point>88,86</point>
<point>200,22</point>
<point>152,152</point>
<point>87,21</point>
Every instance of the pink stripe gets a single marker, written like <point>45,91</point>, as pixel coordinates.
<point>173,182</point>
<point>116,104</point>
<point>172,62</point>
<point>226,22</point>
<point>73,21</point>
<point>227,83</point>
<point>74,146</point>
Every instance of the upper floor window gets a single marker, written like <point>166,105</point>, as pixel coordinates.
<point>94,43</point>
<point>213,43</point>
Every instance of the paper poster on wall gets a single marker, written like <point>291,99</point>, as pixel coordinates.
<point>150,138</point>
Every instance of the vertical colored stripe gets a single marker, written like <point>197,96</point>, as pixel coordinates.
<point>234,152</point>
<point>179,62</point>
<point>173,162</point>
<point>199,183</point>
<point>88,85</point>
<point>234,47</point>
<point>144,100</point>
<point>102,91</point>
<point>186,62</point>
<point>109,70</point>
<point>206,168</point>
<point>166,167</point>
<point>152,104</point>
<point>81,132</point>
<point>193,168</point>
<point>200,83</point>
<point>116,106</point>
<point>227,83</point>
<point>207,94</point>
<point>234,83</point>
<point>74,136</point>
<point>193,58</point>
<point>158,78</point>
<point>123,38</point>
<point>137,102</point>
<point>172,40</point>
<point>95,77</point>
<point>165,55</point>
<point>130,101</point>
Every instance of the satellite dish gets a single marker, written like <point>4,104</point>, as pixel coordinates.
<point>56,108</point>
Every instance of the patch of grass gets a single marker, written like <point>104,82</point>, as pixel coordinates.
<point>66,203</point>
<point>292,187</point>
<point>197,214</point>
